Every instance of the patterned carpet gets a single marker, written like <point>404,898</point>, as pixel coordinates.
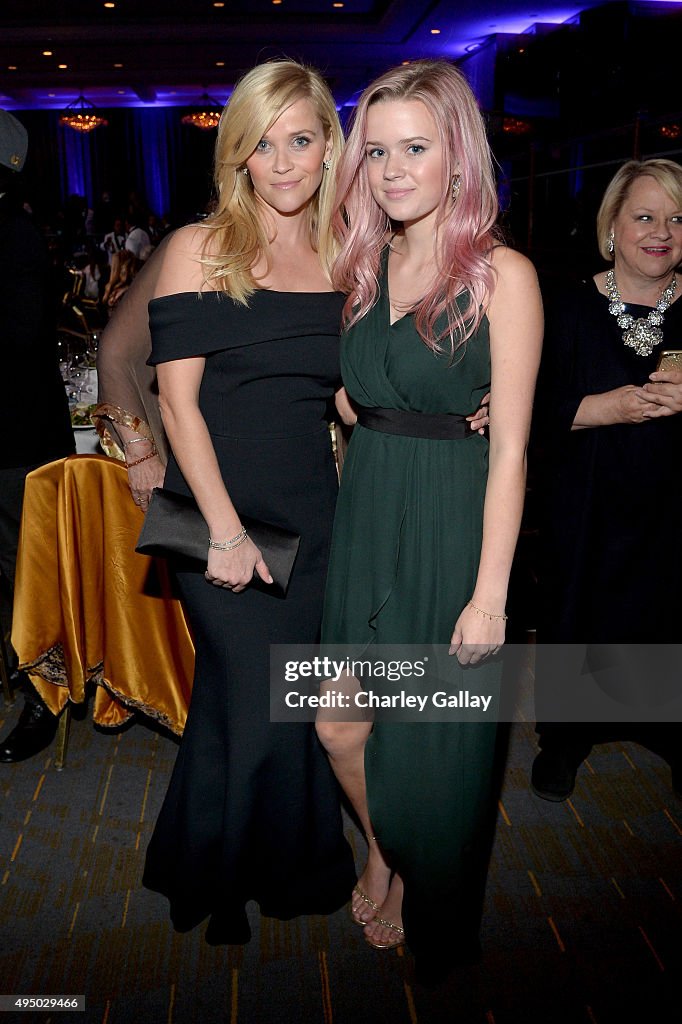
<point>582,920</point>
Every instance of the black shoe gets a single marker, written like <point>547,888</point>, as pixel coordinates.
<point>34,731</point>
<point>553,774</point>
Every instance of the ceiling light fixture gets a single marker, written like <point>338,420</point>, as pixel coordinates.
<point>62,67</point>
<point>515,126</point>
<point>47,53</point>
<point>205,118</point>
<point>82,116</point>
<point>435,31</point>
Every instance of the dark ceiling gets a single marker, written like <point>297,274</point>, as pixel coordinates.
<point>169,52</point>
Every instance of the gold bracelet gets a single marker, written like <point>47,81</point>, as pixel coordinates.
<point>228,545</point>
<point>129,465</point>
<point>488,615</point>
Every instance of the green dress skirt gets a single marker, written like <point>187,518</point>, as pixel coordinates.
<point>405,553</point>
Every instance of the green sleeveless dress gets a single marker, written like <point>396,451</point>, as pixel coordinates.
<point>405,552</point>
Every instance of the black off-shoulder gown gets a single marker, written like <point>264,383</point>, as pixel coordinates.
<point>252,811</point>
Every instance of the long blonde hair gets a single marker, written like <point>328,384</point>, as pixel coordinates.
<point>236,239</point>
<point>467,231</point>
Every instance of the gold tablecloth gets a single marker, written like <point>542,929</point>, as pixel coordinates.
<point>88,608</point>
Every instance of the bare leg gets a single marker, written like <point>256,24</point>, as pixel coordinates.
<point>345,746</point>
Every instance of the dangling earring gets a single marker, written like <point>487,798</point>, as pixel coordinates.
<point>245,170</point>
<point>456,185</point>
<point>611,247</point>
<point>326,164</point>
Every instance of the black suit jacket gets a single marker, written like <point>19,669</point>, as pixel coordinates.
<point>34,418</point>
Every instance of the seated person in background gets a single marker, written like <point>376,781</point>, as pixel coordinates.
<point>124,267</point>
<point>137,240</point>
<point>93,274</point>
<point>114,240</point>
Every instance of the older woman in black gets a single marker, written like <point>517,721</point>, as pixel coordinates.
<point>610,424</point>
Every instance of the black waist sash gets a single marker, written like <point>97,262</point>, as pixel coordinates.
<point>433,426</point>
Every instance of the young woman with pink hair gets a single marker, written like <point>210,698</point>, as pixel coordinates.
<point>439,311</point>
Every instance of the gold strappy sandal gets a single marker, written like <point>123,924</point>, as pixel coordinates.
<point>400,934</point>
<point>357,891</point>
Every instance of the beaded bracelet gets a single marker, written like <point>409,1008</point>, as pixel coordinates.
<point>488,615</point>
<point>129,465</point>
<point>228,545</point>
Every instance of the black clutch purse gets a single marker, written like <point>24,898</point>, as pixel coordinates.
<point>174,527</point>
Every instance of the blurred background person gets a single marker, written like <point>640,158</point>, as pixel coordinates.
<point>124,267</point>
<point>34,416</point>
<point>114,240</point>
<point>137,240</point>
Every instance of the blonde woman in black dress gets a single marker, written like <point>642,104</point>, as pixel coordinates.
<point>245,335</point>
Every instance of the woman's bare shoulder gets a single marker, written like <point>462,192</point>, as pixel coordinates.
<point>510,262</point>
<point>514,273</point>
<point>181,267</point>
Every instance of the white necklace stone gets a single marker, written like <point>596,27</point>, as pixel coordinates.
<point>645,333</point>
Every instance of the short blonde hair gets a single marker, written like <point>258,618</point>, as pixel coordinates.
<point>236,239</point>
<point>666,173</point>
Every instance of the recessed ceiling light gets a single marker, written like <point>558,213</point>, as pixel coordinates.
<point>121,92</point>
<point>276,1</point>
<point>218,3</point>
<point>435,31</point>
<point>337,5</point>
<point>62,67</point>
<point>51,95</point>
<point>47,53</point>
<point>118,65</point>
<point>11,67</point>
<point>220,63</point>
<point>109,4</point>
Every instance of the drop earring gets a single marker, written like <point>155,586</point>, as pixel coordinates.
<point>245,170</point>
<point>456,185</point>
<point>611,247</point>
<point>326,164</point>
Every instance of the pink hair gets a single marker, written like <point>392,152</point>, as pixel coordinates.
<point>467,225</point>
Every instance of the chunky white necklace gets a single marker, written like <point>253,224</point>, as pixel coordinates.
<point>643,334</point>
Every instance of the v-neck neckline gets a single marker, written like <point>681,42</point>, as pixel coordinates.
<point>394,323</point>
